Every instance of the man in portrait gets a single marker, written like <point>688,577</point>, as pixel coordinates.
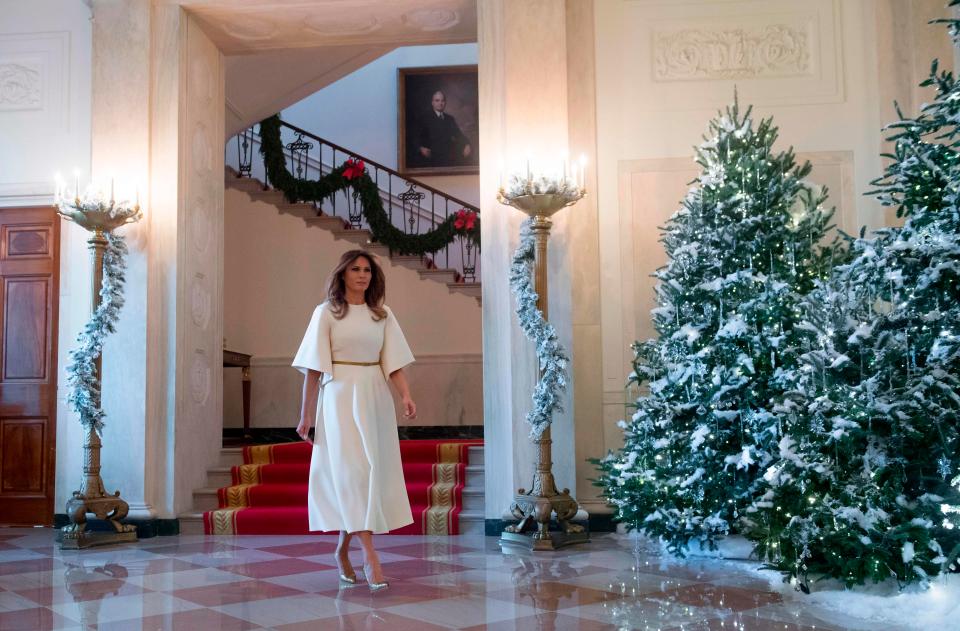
<point>439,141</point>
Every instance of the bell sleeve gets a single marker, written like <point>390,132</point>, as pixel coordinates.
<point>395,353</point>
<point>314,352</point>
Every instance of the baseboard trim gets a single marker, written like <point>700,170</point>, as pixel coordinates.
<point>146,528</point>
<point>594,523</point>
<point>235,436</point>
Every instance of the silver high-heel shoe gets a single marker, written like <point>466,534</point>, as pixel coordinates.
<point>347,579</point>
<point>374,587</point>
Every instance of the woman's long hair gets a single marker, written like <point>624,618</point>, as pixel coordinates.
<point>373,296</point>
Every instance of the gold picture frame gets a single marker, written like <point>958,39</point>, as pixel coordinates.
<point>431,142</point>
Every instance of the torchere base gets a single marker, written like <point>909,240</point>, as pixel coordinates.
<point>555,541</point>
<point>111,508</point>
<point>91,538</point>
<point>536,511</point>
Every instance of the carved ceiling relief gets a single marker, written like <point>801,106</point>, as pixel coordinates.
<point>20,86</point>
<point>354,25</point>
<point>251,29</point>
<point>431,19</point>
<point>776,50</point>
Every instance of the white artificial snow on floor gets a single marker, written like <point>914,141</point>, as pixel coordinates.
<point>872,607</point>
<point>935,609</point>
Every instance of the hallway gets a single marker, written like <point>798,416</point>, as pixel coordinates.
<point>290,584</point>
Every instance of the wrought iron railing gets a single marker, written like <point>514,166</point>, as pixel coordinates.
<point>413,206</point>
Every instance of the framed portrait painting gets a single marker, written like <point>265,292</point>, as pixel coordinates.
<point>438,112</point>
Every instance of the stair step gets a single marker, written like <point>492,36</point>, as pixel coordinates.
<point>205,499</point>
<point>473,499</point>
<point>326,222</point>
<point>218,477</point>
<point>231,456</point>
<point>377,249</point>
<point>360,237</point>
<point>475,455</point>
<point>307,211</point>
<point>470,289</point>
<point>271,196</point>
<point>471,523</point>
<point>243,184</point>
<point>411,261</point>
<point>192,523</point>
<point>441,275</point>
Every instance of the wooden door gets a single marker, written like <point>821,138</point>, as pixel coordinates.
<point>29,292</point>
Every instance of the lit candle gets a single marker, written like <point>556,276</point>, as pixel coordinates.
<point>111,191</point>
<point>76,182</point>
<point>138,197</point>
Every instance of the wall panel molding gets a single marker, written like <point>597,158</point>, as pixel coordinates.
<point>650,191</point>
<point>775,52</point>
<point>705,52</point>
<point>34,75</point>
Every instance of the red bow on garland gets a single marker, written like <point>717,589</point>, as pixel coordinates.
<point>352,169</point>
<point>466,220</point>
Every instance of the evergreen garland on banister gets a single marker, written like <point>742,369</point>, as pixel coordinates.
<point>353,174</point>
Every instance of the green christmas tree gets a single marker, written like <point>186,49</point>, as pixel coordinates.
<point>861,488</point>
<point>743,251</point>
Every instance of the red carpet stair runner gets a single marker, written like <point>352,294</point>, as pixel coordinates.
<point>269,491</point>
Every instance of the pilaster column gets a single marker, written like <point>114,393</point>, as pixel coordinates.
<point>158,124</point>
<point>527,108</point>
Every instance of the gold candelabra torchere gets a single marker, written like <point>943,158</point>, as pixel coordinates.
<point>535,508</point>
<point>100,218</point>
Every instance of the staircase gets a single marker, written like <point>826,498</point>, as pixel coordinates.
<point>413,206</point>
<point>205,499</point>
<point>425,266</point>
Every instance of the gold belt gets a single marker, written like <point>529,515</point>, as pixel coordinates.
<point>356,363</point>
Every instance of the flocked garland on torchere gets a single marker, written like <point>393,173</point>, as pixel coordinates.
<point>82,378</point>
<point>550,354</point>
<point>96,213</point>
<point>352,174</point>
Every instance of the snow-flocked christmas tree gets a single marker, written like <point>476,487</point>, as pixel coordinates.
<point>861,488</point>
<point>743,250</point>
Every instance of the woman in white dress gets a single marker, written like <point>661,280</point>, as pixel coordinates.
<point>352,347</point>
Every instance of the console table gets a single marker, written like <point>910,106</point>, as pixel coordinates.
<point>233,359</point>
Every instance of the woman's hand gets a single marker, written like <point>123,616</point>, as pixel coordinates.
<point>303,430</point>
<point>409,408</point>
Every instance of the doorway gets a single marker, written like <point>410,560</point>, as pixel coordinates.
<point>29,295</point>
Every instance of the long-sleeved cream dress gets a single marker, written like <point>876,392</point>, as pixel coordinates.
<point>356,477</point>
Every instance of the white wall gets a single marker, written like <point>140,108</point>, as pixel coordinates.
<point>275,270</point>
<point>359,112</point>
<point>45,131</point>
<point>661,76</point>
<point>45,110</point>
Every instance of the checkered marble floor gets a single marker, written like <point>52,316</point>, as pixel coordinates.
<point>290,584</point>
